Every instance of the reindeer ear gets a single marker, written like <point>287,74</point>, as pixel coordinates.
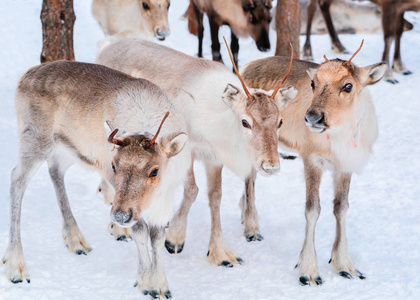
<point>284,96</point>
<point>372,74</point>
<point>231,95</point>
<point>174,144</point>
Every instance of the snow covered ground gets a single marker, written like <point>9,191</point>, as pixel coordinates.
<point>383,220</point>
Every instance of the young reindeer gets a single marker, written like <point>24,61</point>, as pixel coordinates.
<point>332,125</point>
<point>226,126</point>
<point>49,97</point>
<point>244,17</point>
<point>133,18</point>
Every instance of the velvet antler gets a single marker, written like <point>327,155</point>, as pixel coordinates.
<point>153,140</point>
<point>348,62</point>
<point>285,76</point>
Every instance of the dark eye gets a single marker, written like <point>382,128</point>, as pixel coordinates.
<point>251,20</point>
<point>146,6</point>
<point>169,4</point>
<point>246,124</point>
<point>312,85</point>
<point>280,123</point>
<point>154,173</point>
<point>269,19</point>
<point>347,88</point>
<point>113,168</point>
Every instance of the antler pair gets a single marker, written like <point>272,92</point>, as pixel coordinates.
<point>349,61</point>
<point>120,143</point>
<point>250,97</point>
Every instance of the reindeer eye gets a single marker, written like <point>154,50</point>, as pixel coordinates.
<point>280,123</point>
<point>113,168</point>
<point>169,4</point>
<point>146,6</point>
<point>154,173</point>
<point>312,85</point>
<point>347,88</point>
<point>251,20</point>
<point>246,124</point>
<point>269,19</point>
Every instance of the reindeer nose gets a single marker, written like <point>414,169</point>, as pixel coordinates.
<point>270,168</point>
<point>121,217</point>
<point>313,118</point>
<point>162,34</point>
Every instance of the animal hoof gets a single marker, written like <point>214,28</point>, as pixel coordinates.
<point>180,248</point>
<point>154,294</point>
<point>80,252</point>
<point>407,72</point>
<point>393,81</point>
<point>122,238</point>
<point>17,280</point>
<point>240,260</point>
<point>226,264</point>
<point>360,275</point>
<point>170,247</point>
<point>303,280</point>
<point>318,280</point>
<point>167,294</point>
<point>345,274</point>
<point>136,284</point>
<point>254,237</point>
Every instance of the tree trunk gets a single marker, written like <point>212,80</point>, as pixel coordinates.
<point>287,27</point>
<point>57,17</point>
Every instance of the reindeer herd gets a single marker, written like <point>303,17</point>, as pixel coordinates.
<point>144,113</point>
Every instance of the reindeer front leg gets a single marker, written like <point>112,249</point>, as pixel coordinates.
<point>249,214</point>
<point>340,258</point>
<point>140,236</point>
<point>307,265</point>
<point>219,253</point>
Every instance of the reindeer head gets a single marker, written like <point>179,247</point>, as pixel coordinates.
<point>155,15</point>
<point>139,165</point>
<point>337,86</point>
<point>259,114</point>
<point>258,21</point>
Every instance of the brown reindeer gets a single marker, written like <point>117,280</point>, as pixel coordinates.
<point>133,18</point>
<point>244,17</point>
<point>332,125</point>
<point>393,25</point>
<point>70,112</point>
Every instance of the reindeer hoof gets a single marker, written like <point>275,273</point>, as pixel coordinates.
<point>360,275</point>
<point>240,260</point>
<point>407,72</point>
<point>303,280</point>
<point>226,264</point>
<point>80,252</point>
<point>318,280</point>
<point>393,81</point>
<point>345,274</point>
<point>154,294</point>
<point>122,238</point>
<point>172,248</point>
<point>167,294</point>
<point>254,237</point>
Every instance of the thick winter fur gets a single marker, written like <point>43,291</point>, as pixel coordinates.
<point>217,111</point>
<point>393,25</point>
<point>331,129</point>
<point>241,16</point>
<point>66,112</point>
<point>133,18</point>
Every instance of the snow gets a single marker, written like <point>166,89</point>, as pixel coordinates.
<point>383,227</point>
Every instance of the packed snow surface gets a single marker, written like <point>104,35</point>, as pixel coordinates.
<point>383,226</point>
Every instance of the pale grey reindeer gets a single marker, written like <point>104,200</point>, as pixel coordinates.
<point>227,125</point>
<point>332,125</point>
<point>70,112</point>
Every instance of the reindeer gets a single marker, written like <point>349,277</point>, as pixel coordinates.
<point>393,25</point>
<point>228,125</point>
<point>332,125</point>
<point>71,112</point>
<point>133,18</point>
<point>244,17</point>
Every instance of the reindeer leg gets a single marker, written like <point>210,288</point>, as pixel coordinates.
<point>388,25</point>
<point>175,234</point>
<point>73,238</point>
<point>398,66</point>
<point>340,259</point>
<point>307,265</point>
<point>215,45</point>
<point>199,16</point>
<point>144,273</point>
<point>234,46</point>
<point>249,211</point>
<point>157,238</point>
<point>307,49</point>
<point>219,253</point>
<point>32,155</point>
<point>336,44</point>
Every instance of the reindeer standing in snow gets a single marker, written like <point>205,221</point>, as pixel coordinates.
<point>62,109</point>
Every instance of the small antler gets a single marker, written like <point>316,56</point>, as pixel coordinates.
<point>266,2</point>
<point>251,2</point>
<point>348,62</point>
<point>250,97</point>
<point>153,140</point>
<point>285,76</point>
<point>114,141</point>
<point>325,57</point>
